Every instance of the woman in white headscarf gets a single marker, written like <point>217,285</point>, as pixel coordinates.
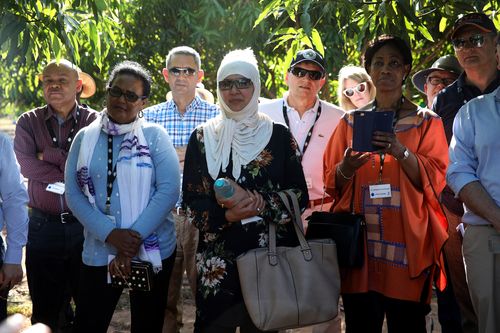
<point>261,157</point>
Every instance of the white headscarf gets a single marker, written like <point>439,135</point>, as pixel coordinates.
<point>239,134</point>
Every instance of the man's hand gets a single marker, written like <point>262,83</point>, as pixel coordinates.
<point>125,241</point>
<point>10,275</point>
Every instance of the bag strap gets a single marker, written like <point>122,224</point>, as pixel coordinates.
<point>296,219</point>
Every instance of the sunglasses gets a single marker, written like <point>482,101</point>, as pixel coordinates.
<point>349,92</point>
<point>186,71</point>
<point>239,84</point>
<point>301,72</point>
<point>437,80</point>
<point>129,95</point>
<point>476,41</point>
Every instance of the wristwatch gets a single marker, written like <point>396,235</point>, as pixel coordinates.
<point>406,154</point>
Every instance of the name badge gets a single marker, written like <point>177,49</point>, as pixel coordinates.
<point>380,191</point>
<point>57,188</point>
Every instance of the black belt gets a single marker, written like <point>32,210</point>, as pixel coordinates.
<point>60,218</point>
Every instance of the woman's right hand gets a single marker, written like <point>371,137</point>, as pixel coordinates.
<point>126,241</point>
<point>352,161</point>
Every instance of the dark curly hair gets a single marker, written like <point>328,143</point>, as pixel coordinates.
<point>135,69</point>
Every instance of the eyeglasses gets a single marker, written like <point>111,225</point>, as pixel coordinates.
<point>239,84</point>
<point>476,40</point>
<point>185,71</point>
<point>129,95</point>
<point>301,72</point>
<point>437,80</point>
<point>349,92</point>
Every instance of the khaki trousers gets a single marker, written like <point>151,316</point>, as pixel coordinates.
<point>185,261</point>
<point>482,279</point>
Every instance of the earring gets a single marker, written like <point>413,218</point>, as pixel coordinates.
<point>141,114</point>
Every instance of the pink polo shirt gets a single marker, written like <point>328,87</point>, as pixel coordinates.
<point>312,161</point>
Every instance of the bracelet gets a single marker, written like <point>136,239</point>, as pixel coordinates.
<point>342,174</point>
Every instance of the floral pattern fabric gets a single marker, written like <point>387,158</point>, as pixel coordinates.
<point>275,169</point>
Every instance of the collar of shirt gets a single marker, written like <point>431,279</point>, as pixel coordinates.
<point>50,113</point>
<point>473,90</point>
<point>290,108</point>
<point>192,106</point>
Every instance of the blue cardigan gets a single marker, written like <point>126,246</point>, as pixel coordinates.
<point>156,217</point>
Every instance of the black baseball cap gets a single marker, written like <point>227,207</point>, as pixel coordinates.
<point>309,55</point>
<point>479,20</point>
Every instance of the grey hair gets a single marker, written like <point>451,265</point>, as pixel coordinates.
<point>184,50</point>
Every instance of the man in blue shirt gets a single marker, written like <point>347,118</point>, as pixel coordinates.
<point>473,38</point>
<point>473,175</point>
<point>14,215</point>
<point>180,116</point>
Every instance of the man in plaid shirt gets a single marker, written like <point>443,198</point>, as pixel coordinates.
<point>180,116</point>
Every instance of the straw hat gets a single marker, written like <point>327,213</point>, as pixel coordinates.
<point>88,85</point>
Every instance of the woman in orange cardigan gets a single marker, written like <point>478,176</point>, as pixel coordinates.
<point>396,188</point>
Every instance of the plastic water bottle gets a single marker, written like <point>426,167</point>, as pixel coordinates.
<point>223,188</point>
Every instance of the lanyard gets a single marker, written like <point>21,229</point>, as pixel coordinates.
<point>309,134</point>
<point>70,135</point>
<point>394,121</point>
<point>111,171</point>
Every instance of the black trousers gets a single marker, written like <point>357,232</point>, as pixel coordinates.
<point>364,313</point>
<point>98,299</point>
<point>53,262</point>
<point>4,293</point>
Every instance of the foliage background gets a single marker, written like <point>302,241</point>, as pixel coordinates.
<point>96,34</point>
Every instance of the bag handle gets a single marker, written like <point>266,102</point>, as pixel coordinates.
<point>296,219</point>
<point>351,206</point>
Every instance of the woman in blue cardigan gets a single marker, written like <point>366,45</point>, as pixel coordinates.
<point>122,181</point>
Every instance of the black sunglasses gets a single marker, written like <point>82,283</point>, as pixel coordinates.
<point>476,40</point>
<point>301,72</point>
<point>129,95</point>
<point>239,84</point>
<point>186,71</point>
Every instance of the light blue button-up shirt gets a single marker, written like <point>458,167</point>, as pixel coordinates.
<point>475,149</point>
<point>13,202</point>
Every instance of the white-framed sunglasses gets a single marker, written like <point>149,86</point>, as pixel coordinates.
<point>361,87</point>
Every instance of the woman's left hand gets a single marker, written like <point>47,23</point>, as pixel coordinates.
<point>120,266</point>
<point>251,206</point>
<point>389,144</point>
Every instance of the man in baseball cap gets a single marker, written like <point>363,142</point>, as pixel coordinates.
<point>474,40</point>
<point>441,74</point>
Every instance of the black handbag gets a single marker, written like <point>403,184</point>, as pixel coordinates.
<point>347,229</point>
<point>140,278</point>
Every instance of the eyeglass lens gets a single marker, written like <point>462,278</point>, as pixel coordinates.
<point>437,80</point>
<point>476,41</point>
<point>349,92</point>
<point>239,84</point>
<point>129,95</point>
<point>186,71</point>
<point>301,72</point>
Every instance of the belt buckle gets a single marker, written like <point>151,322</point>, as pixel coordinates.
<point>63,216</point>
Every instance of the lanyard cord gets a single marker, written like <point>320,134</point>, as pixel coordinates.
<point>70,135</point>
<point>309,134</point>
<point>111,171</point>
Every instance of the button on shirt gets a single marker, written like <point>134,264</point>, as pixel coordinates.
<point>300,126</point>
<point>180,126</point>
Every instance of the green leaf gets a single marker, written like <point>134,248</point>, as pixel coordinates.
<point>423,30</point>
<point>272,6</point>
<point>316,41</point>
<point>443,24</point>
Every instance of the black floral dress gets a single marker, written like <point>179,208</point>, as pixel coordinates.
<point>276,168</point>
